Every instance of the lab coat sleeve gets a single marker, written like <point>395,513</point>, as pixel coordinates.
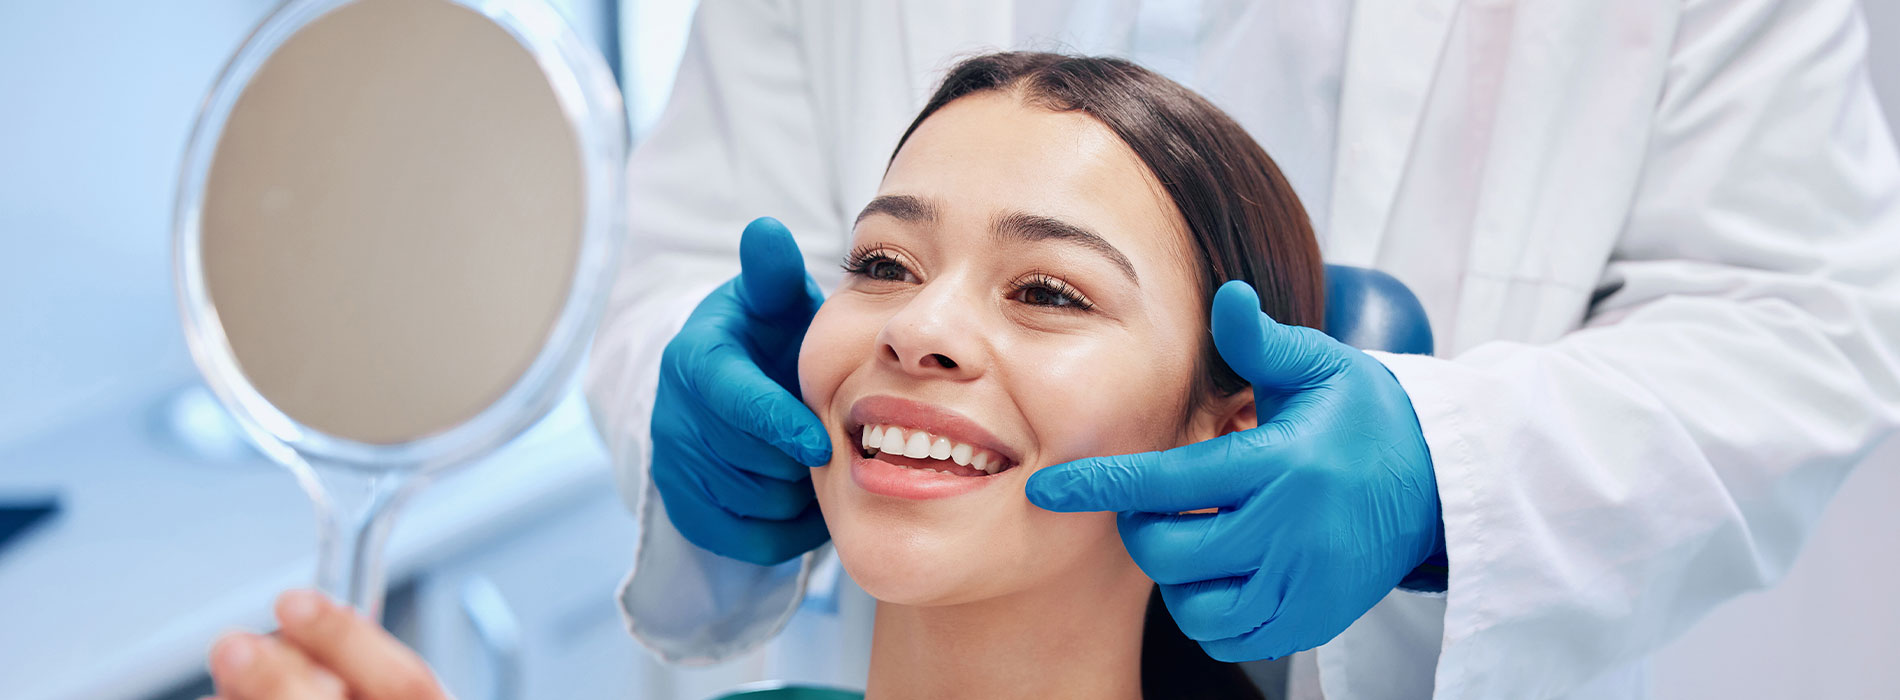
<point>1603,492</point>
<point>736,141</point>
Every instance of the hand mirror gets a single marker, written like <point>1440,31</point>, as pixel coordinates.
<point>394,232</point>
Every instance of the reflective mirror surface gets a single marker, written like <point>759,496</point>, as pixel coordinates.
<point>392,219</point>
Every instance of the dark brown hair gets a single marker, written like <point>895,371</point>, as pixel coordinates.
<point>1245,221</point>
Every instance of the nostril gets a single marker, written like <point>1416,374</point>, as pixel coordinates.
<point>944,362</point>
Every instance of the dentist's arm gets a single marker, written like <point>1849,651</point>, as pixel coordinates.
<point>738,140</point>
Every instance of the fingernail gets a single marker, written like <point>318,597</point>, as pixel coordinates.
<point>234,652</point>
<point>302,606</point>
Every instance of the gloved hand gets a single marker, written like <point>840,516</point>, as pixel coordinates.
<point>730,439</point>
<point>1324,507</point>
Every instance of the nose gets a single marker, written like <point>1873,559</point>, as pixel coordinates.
<point>936,335</point>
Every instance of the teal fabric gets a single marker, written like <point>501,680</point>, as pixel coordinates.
<point>793,693</point>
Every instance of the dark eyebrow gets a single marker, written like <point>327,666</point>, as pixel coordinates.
<point>902,207</point>
<point>1023,226</point>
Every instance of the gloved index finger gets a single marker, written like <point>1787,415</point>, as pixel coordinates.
<point>1191,477</point>
<point>737,391</point>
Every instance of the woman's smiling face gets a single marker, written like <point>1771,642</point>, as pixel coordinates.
<point>1021,294</point>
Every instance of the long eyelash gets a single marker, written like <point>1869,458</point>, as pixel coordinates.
<point>860,258</point>
<point>1077,302</point>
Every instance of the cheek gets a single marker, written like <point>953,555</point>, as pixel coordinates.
<point>1103,398</point>
<point>840,340</point>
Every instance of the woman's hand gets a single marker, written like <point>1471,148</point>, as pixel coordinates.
<point>320,651</point>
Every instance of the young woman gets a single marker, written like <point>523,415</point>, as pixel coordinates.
<point>1029,286</point>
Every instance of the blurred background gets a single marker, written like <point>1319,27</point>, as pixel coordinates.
<point>165,529</point>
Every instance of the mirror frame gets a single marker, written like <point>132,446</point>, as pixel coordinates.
<point>588,97</point>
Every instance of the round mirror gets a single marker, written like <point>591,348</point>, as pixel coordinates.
<point>395,227</point>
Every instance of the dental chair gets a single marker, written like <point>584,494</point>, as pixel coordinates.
<point>1372,310</point>
<point>1366,309</point>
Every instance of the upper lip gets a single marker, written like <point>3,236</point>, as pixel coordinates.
<point>936,420</point>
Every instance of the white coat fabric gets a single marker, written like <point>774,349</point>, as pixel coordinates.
<point>1658,243</point>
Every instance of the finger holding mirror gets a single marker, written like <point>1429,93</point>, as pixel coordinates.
<point>394,232</point>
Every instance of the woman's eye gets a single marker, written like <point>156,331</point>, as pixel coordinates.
<point>877,264</point>
<point>1044,296</point>
<point>1051,293</point>
<point>886,269</point>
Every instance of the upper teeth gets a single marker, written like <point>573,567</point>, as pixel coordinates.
<point>918,444</point>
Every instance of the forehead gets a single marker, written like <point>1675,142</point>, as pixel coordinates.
<point>988,154</point>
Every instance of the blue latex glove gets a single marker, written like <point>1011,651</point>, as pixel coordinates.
<point>1324,507</point>
<point>731,440</point>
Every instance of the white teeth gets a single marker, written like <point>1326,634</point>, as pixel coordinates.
<point>918,446</point>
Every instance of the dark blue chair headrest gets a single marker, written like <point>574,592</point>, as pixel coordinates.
<point>1372,310</point>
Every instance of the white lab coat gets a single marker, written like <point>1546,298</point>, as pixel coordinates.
<point>1657,241</point>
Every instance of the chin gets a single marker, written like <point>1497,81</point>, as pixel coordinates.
<point>910,564</point>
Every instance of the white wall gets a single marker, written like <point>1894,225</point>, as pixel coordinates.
<point>1831,629</point>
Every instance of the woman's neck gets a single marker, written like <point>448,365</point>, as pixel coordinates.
<point>1081,639</point>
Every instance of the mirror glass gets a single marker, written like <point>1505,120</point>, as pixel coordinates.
<point>392,219</point>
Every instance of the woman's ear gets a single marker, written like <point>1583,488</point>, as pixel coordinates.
<point>1223,415</point>
<point>1236,413</point>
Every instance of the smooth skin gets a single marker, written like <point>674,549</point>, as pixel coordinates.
<point>321,651</point>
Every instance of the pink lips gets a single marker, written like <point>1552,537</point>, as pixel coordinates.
<point>884,478</point>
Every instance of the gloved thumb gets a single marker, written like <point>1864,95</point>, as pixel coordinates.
<point>773,283</point>
<point>1265,352</point>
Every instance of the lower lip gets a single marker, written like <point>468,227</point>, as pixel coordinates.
<point>886,479</point>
